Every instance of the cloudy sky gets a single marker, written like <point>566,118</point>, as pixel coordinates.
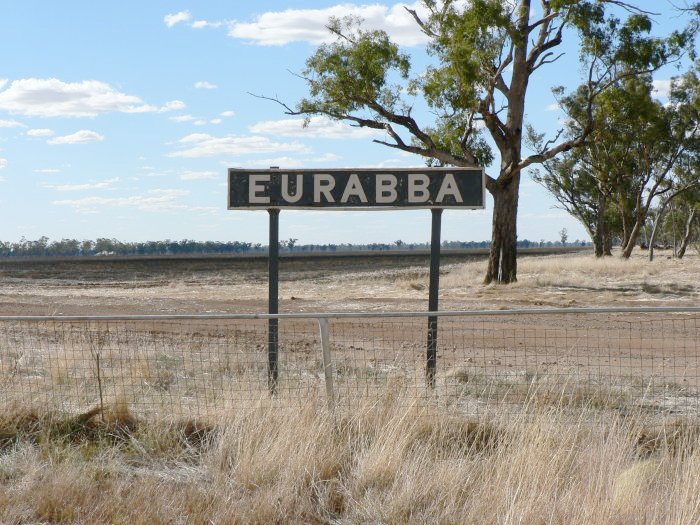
<point>119,119</point>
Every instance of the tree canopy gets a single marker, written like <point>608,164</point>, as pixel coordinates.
<point>631,158</point>
<point>483,54</point>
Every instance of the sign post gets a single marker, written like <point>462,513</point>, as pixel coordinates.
<point>273,300</point>
<point>435,189</point>
<point>433,294</point>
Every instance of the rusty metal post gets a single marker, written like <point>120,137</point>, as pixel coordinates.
<point>431,362</point>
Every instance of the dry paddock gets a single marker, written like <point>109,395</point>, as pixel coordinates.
<point>534,418</point>
<point>193,367</point>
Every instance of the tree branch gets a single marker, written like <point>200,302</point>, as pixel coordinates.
<point>275,99</point>
<point>423,26</point>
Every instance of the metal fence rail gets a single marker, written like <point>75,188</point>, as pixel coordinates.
<point>197,365</point>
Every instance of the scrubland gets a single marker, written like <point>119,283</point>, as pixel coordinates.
<point>555,459</point>
<point>383,463</point>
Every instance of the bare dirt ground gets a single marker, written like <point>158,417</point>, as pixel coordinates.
<point>220,286</point>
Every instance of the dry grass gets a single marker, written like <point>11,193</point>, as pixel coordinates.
<point>579,279</point>
<point>575,455</point>
<point>382,464</point>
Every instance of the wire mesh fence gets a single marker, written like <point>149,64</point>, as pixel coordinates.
<point>194,366</point>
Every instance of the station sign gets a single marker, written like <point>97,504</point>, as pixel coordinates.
<point>391,188</point>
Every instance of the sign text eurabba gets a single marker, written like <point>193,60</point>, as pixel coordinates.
<point>357,188</point>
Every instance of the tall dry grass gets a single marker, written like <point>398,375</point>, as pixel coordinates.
<point>574,279</point>
<point>385,463</point>
<point>584,269</point>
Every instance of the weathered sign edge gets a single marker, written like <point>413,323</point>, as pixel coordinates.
<point>355,208</point>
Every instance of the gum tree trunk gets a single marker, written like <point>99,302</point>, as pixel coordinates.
<point>607,244</point>
<point>688,230</point>
<point>600,227</point>
<point>503,264</point>
<point>632,240</point>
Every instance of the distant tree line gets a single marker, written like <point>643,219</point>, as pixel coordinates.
<point>43,247</point>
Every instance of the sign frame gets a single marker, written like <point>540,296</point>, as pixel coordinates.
<point>436,226</point>
<point>367,172</point>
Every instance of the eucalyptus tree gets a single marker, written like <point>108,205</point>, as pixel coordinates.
<point>484,54</point>
<point>579,182</point>
<point>630,160</point>
<point>684,191</point>
<point>661,135</point>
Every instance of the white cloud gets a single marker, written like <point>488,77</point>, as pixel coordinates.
<point>291,162</point>
<point>661,88</point>
<point>105,184</point>
<point>227,113</point>
<point>153,200</point>
<point>40,132</point>
<point>47,170</point>
<point>327,157</point>
<point>201,24</point>
<point>175,18</point>
<point>3,163</point>
<point>182,118</point>
<point>319,127</point>
<point>280,162</point>
<point>79,137</point>
<point>554,106</point>
<point>276,28</point>
<point>203,84</point>
<point>199,122</point>
<point>11,124</point>
<point>204,145</point>
<point>199,175</point>
<point>3,81</point>
<point>51,97</point>
<point>173,105</point>
<point>215,121</point>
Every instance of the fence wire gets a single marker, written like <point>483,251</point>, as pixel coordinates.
<point>195,366</point>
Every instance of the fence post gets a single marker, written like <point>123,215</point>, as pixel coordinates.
<point>327,364</point>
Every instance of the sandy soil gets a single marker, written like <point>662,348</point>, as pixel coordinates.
<point>349,285</point>
<point>647,355</point>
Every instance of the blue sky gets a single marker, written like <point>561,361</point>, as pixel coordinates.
<point>119,119</point>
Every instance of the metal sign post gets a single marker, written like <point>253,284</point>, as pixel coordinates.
<point>435,189</point>
<point>273,300</point>
<point>433,294</point>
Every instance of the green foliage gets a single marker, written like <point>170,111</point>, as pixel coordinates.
<point>638,151</point>
<point>467,44</point>
<point>449,136</point>
<point>483,54</point>
<point>352,72</point>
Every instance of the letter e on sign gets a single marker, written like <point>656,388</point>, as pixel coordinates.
<point>257,187</point>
